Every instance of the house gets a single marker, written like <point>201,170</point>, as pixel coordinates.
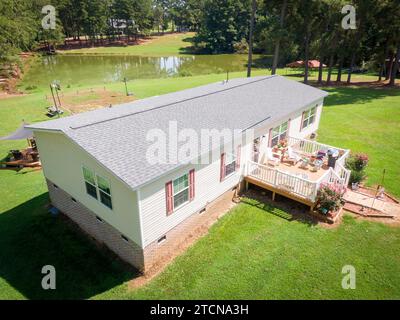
<point>99,173</point>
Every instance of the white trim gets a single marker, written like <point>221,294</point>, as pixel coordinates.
<point>139,206</point>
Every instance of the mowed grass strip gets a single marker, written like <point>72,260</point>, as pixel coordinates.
<point>166,45</point>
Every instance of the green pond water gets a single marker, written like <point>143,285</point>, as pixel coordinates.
<point>76,70</point>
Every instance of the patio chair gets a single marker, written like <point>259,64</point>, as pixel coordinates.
<point>292,156</point>
<point>270,157</point>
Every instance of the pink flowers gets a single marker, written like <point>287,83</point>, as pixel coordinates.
<point>330,197</point>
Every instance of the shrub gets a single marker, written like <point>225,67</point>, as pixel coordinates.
<point>329,198</point>
<point>241,46</point>
<point>357,176</point>
<point>357,164</point>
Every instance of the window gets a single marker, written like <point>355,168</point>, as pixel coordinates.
<point>97,187</point>
<point>90,182</point>
<point>308,117</point>
<point>279,133</point>
<point>230,164</point>
<point>181,190</point>
<point>104,191</point>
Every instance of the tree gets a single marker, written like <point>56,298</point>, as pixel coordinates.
<point>250,59</point>
<point>279,37</point>
<point>225,22</point>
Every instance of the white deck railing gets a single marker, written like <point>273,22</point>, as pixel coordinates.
<point>297,185</point>
<point>311,147</point>
<point>289,182</point>
<point>282,180</point>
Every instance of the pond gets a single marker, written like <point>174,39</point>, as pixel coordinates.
<point>84,70</point>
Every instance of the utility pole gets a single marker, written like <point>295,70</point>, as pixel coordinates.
<point>250,59</point>
<point>126,87</point>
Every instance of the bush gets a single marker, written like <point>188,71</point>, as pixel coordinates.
<point>357,176</point>
<point>329,198</point>
<point>241,46</point>
<point>357,164</point>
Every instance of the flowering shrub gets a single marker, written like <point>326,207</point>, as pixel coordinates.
<point>357,164</point>
<point>330,198</point>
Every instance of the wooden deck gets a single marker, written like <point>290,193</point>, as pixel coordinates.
<point>276,190</point>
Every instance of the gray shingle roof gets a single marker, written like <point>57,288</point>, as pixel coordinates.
<point>116,136</point>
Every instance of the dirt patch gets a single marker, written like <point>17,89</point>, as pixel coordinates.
<point>86,100</point>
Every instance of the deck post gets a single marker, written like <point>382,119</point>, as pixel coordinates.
<point>273,195</point>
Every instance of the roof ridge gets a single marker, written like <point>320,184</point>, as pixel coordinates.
<point>175,102</point>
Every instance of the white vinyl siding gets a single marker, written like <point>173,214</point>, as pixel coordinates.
<point>65,171</point>
<point>207,185</point>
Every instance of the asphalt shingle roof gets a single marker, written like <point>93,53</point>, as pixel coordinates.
<point>116,136</point>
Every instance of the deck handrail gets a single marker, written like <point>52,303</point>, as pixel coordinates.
<point>318,146</point>
<point>274,177</point>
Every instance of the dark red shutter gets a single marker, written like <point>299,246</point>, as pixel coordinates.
<point>222,170</point>
<point>169,197</point>
<point>270,138</point>
<point>191,185</point>
<point>239,151</point>
<point>302,119</point>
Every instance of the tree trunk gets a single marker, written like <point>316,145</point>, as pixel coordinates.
<point>383,64</point>
<point>330,65</point>
<point>250,58</point>
<point>320,69</point>
<point>306,51</point>
<point>339,75</point>
<point>353,59</point>
<point>395,68</point>
<point>389,73</point>
<point>278,41</point>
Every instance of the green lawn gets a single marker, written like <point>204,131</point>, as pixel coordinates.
<point>250,253</point>
<point>169,44</point>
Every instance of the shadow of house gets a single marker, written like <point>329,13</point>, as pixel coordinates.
<point>31,238</point>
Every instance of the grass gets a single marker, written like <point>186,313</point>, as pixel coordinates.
<point>248,254</point>
<point>166,45</point>
<point>366,120</point>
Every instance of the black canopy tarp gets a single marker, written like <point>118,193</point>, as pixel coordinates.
<point>19,134</point>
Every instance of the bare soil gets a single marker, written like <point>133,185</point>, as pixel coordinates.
<point>86,100</point>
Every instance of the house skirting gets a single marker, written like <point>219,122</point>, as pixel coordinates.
<point>101,231</point>
<point>153,254</point>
